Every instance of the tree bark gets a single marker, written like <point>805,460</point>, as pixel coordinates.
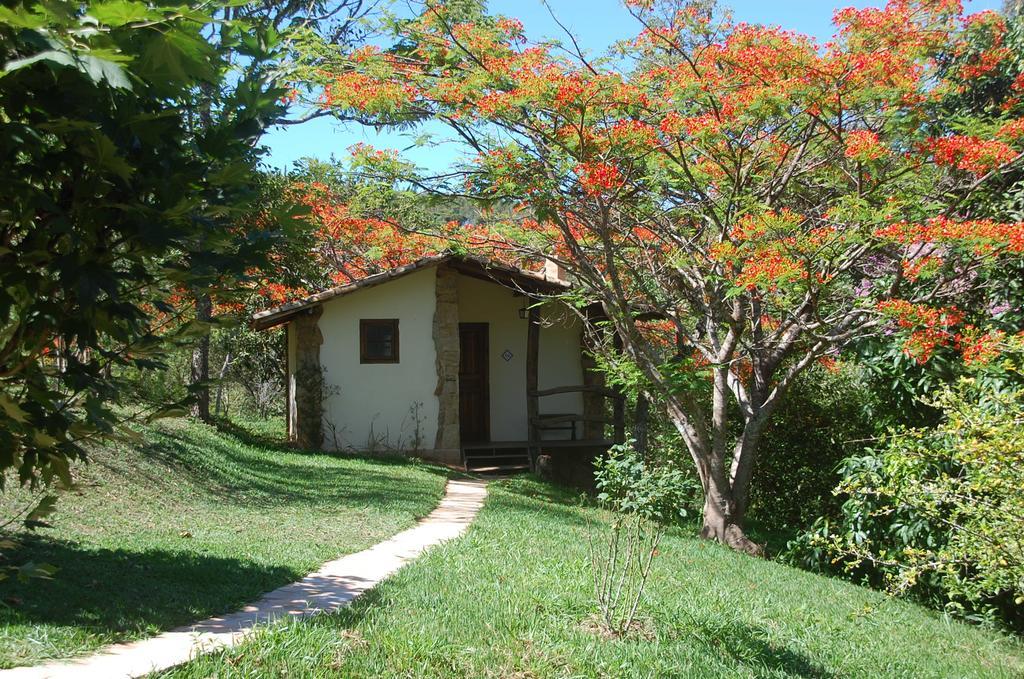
<point>724,502</point>
<point>618,403</point>
<point>309,380</point>
<point>201,361</point>
<point>220,383</point>
<point>743,465</point>
<point>720,526</point>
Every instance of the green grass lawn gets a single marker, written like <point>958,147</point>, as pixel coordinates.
<point>510,598</point>
<point>192,523</point>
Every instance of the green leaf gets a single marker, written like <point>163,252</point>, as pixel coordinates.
<point>96,69</point>
<point>106,156</point>
<point>43,440</point>
<point>105,70</point>
<point>12,409</point>
<point>179,57</point>
<point>170,411</point>
<point>55,57</point>
<point>33,570</point>
<point>44,508</point>
<point>111,55</point>
<point>21,17</point>
<point>60,466</point>
<point>231,173</point>
<point>120,12</point>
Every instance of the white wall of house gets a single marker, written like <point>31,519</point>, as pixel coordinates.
<point>559,365</point>
<point>558,356</point>
<point>373,404</point>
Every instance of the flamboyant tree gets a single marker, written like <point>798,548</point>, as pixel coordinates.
<point>771,198</point>
<point>360,222</point>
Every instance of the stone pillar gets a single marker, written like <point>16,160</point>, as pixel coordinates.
<point>289,406</point>
<point>309,380</point>
<point>446,352</point>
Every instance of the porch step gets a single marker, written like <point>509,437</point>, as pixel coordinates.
<point>501,470</point>
<point>497,458</point>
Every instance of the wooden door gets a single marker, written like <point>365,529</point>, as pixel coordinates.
<point>474,386</point>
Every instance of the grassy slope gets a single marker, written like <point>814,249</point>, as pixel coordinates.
<point>192,523</point>
<point>507,600</point>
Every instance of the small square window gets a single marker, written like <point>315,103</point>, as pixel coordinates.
<point>378,340</point>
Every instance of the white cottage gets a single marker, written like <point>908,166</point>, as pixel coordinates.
<point>453,358</point>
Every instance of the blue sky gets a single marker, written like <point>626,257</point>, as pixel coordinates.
<point>595,23</point>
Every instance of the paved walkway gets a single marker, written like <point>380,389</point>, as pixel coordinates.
<point>336,584</point>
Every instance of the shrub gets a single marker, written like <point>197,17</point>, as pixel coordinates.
<point>827,418</point>
<point>938,512</point>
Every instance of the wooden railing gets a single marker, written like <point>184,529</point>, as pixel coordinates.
<point>592,388</point>
<point>538,421</point>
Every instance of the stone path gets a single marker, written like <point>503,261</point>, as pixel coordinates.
<point>336,584</point>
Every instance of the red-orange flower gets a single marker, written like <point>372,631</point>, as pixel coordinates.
<point>599,178</point>
<point>973,154</point>
<point>977,347</point>
<point>864,145</point>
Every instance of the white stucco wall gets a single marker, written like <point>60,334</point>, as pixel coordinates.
<point>558,360</point>
<point>377,398</point>
<point>559,364</point>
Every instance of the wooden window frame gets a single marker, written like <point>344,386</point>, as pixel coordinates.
<point>364,325</point>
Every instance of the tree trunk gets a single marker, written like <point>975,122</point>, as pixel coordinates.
<point>743,458</point>
<point>200,377</point>
<point>220,383</point>
<point>722,526</point>
<point>722,522</point>
<point>705,432</point>
<point>201,361</point>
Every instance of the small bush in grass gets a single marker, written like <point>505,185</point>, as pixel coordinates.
<point>644,500</point>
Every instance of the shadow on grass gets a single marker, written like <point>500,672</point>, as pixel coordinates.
<point>274,443</point>
<point>529,485</point>
<point>774,539</point>
<point>123,593</point>
<point>743,647</point>
<point>253,437</point>
<point>529,495</point>
<point>751,647</point>
<point>535,495</point>
<point>349,617</point>
<point>234,474</point>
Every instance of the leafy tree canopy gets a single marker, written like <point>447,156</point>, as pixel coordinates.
<point>114,200</point>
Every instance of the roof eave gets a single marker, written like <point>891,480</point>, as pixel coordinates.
<point>527,281</point>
